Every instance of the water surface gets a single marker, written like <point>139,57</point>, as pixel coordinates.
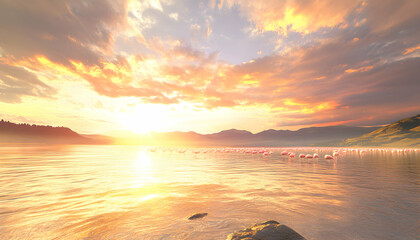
<point>129,192</point>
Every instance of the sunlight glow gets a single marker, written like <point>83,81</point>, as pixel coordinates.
<point>143,162</point>
<point>142,171</point>
<point>144,119</point>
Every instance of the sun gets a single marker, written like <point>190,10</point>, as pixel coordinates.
<point>145,119</point>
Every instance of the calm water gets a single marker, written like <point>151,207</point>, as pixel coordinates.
<point>126,192</point>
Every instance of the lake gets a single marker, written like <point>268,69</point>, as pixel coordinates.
<point>131,192</point>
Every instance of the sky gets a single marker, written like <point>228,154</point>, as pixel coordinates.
<point>163,65</point>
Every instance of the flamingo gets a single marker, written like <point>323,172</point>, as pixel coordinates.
<point>329,157</point>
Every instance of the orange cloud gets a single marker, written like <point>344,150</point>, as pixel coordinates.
<point>362,69</point>
<point>412,49</point>
<point>111,79</point>
<point>16,82</point>
<point>298,16</point>
<point>298,106</point>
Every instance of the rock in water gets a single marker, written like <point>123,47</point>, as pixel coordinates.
<point>197,215</point>
<point>270,230</point>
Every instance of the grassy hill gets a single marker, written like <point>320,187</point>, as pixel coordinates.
<point>404,133</point>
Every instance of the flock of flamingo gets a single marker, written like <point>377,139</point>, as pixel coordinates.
<point>288,152</point>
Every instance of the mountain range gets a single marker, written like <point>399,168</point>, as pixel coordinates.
<point>404,133</point>
<point>268,138</point>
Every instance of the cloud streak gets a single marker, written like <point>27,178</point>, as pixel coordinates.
<point>16,82</point>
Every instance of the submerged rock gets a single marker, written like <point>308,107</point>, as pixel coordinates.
<point>197,215</point>
<point>270,230</point>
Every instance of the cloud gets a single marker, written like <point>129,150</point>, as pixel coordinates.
<point>319,88</point>
<point>388,14</point>
<point>337,80</point>
<point>208,29</point>
<point>302,16</point>
<point>197,31</point>
<point>174,16</point>
<point>411,49</point>
<point>16,82</point>
<point>68,38</point>
<point>356,64</point>
<point>60,30</point>
<point>20,119</point>
<point>140,16</point>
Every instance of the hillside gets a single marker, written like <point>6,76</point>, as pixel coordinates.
<point>27,133</point>
<point>404,133</point>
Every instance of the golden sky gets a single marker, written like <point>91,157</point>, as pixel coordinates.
<point>97,66</point>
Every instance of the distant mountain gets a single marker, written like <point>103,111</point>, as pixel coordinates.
<point>231,137</point>
<point>234,137</point>
<point>27,133</point>
<point>404,133</point>
<point>310,136</point>
<point>99,139</point>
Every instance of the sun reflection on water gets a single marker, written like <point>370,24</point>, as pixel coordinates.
<point>143,162</point>
<point>142,171</point>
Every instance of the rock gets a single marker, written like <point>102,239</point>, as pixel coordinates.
<point>197,215</point>
<point>270,230</point>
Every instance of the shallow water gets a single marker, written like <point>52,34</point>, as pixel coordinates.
<point>129,192</point>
